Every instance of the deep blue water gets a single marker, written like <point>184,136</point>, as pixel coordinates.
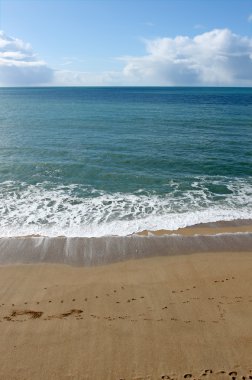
<point>94,161</point>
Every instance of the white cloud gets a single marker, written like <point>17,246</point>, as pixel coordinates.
<point>210,58</point>
<point>218,57</point>
<point>250,18</point>
<point>19,66</point>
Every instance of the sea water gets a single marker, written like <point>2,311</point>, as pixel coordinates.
<point>113,161</point>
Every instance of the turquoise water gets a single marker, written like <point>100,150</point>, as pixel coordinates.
<point>98,161</point>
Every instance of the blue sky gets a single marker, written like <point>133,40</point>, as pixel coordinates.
<point>126,41</point>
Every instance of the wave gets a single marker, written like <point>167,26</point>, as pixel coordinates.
<point>79,210</point>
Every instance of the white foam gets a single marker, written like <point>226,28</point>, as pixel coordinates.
<point>55,211</point>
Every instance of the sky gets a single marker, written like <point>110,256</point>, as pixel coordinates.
<point>126,42</point>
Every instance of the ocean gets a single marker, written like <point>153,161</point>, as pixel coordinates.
<point>101,161</point>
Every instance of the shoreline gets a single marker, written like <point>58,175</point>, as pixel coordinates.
<point>213,228</point>
<point>216,227</point>
<point>81,251</point>
<point>108,250</point>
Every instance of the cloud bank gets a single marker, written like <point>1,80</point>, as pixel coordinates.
<point>215,58</point>
<point>218,57</point>
<point>19,66</point>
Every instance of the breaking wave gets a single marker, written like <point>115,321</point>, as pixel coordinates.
<point>79,210</point>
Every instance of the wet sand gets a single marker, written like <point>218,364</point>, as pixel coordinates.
<point>222,227</point>
<point>233,236</point>
<point>173,317</point>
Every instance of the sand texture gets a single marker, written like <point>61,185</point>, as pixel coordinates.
<point>170,317</point>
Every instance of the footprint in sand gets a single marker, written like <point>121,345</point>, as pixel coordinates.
<point>233,373</point>
<point>16,313</point>
<point>94,316</point>
<point>74,312</point>
<point>207,372</point>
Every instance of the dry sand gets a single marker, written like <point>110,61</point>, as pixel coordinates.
<point>157,318</point>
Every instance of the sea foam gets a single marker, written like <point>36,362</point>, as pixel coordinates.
<point>82,211</point>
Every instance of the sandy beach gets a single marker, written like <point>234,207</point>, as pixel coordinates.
<point>174,317</point>
<point>125,190</point>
